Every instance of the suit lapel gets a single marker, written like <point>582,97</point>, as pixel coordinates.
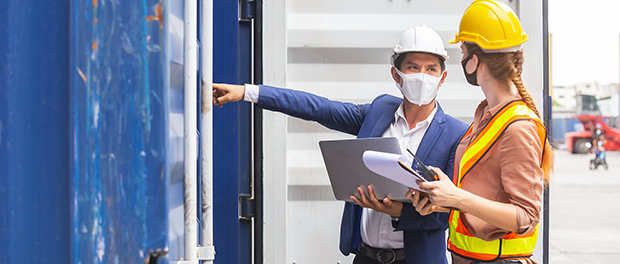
<point>380,116</point>
<point>382,123</point>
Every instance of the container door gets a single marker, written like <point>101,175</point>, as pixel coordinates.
<point>232,135</point>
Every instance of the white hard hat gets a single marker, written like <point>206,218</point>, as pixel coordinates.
<point>419,39</point>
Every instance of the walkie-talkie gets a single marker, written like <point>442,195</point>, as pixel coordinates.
<point>426,172</point>
<point>429,175</point>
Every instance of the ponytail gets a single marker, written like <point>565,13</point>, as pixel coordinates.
<point>548,155</point>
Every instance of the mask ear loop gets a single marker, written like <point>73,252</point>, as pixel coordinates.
<point>472,78</point>
<point>466,60</point>
<point>402,77</point>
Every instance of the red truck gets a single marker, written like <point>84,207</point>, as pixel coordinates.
<point>594,125</point>
<point>577,142</point>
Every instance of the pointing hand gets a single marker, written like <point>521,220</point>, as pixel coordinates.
<point>224,93</point>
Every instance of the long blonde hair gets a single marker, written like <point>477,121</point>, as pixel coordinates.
<point>509,66</point>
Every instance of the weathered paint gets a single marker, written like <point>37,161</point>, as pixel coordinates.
<point>119,105</point>
<point>190,128</point>
<point>206,132</point>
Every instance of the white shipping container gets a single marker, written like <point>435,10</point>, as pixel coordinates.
<point>340,50</point>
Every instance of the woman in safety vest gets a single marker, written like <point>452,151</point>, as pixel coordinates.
<point>504,159</point>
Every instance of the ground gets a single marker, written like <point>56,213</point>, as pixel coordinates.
<point>584,213</point>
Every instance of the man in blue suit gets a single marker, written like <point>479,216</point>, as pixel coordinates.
<point>383,231</point>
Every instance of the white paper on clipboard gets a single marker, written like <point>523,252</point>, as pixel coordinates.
<point>386,165</point>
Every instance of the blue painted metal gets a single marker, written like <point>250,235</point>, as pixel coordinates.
<point>245,137</point>
<point>119,117</point>
<point>232,134</point>
<point>563,125</point>
<point>34,122</point>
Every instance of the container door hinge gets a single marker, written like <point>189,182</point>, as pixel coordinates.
<point>246,10</point>
<point>246,205</point>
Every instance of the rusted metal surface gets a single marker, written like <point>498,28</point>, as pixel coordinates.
<point>119,129</point>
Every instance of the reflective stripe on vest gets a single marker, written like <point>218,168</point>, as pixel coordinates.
<point>510,246</point>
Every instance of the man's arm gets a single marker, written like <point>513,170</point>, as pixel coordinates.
<point>344,117</point>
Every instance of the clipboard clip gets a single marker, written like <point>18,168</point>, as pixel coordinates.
<point>425,171</point>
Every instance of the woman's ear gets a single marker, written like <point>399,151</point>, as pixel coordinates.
<point>472,64</point>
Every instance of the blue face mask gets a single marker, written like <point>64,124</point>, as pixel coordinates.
<point>472,78</point>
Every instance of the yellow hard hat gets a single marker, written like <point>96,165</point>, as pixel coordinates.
<point>492,25</point>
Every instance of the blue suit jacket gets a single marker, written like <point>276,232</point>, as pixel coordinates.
<point>424,236</point>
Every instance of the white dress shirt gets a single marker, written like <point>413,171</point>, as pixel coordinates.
<point>376,228</point>
<point>251,93</point>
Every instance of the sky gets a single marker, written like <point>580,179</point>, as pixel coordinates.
<point>585,37</point>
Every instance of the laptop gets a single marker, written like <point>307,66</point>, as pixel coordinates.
<point>346,169</point>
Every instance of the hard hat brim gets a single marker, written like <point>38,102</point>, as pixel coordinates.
<point>441,56</point>
<point>455,40</point>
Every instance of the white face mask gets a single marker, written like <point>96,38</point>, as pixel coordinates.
<point>418,88</point>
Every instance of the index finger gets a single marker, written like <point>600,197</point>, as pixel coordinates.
<point>426,186</point>
<point>440,173</point>
<point>415,198</point>
<point>218,86</point>
<point>371,194</point>
<point>363,197</point>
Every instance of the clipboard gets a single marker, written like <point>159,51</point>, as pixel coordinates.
<point>393,167</point>
<point>410,170</point>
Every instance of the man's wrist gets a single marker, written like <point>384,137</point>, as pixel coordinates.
<point>250,93</point>
<point>398,211</point>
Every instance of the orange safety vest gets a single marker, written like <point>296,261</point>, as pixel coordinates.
<point>510,246</point>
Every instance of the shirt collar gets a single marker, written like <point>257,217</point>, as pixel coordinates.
<point>399,116</point>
